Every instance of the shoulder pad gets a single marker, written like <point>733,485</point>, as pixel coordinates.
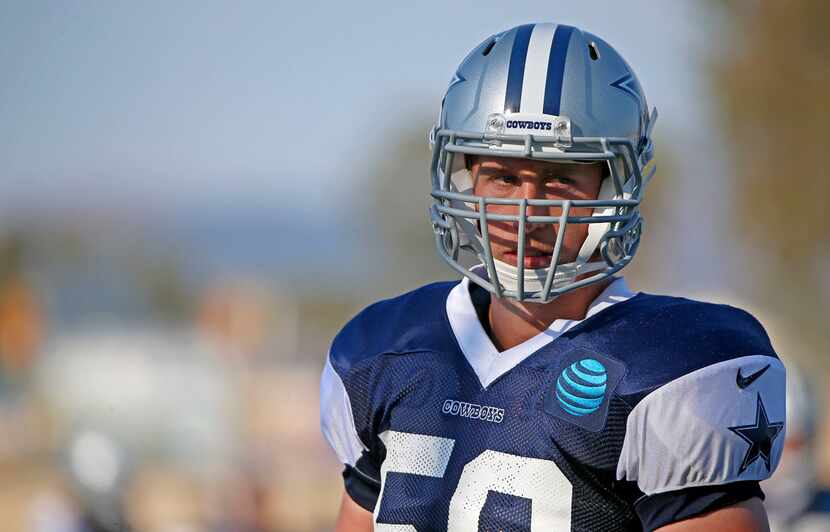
<point>661,338</point>
<point>415,321</point>
<point>719,424</point>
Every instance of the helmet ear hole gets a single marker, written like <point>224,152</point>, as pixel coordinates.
<point>593,51</point>
<point>488,48</point>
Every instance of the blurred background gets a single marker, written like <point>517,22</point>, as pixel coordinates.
<point>195,196</point>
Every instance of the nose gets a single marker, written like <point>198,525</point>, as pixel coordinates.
<point>533,190</point>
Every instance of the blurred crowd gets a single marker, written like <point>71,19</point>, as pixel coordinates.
<point>199,412</point>
<point>198,423</point>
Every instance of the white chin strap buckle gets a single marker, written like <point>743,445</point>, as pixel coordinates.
<point>534,279</point>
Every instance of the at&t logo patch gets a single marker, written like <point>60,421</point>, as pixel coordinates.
<point>581,388</point>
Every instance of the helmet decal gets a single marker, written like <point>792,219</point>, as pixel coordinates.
<point>537,90</point>
<point>556,69</point>
<point>516,70</point>
<point>456,79</point>
<point>628,84</point>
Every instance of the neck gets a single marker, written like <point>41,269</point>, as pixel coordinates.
<point>513,322</point>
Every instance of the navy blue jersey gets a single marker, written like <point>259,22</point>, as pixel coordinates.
<point>650,410</point>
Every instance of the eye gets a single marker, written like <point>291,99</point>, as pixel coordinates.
<point>565,180</point>
<point>506,179</point>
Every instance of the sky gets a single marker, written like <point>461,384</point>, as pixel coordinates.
<point>188,111</point>
<point>187,104</point>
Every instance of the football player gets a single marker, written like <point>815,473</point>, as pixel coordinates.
<point>540,393</point>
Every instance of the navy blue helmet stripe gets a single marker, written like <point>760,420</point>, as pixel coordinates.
<point>516,69</point>
<point>556,69</point>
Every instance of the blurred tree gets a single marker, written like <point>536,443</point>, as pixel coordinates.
<point>21,324</point>
<point>398,199</point>
<point>161,279</point>
<point>48,256</point>
<point>655,266</point>
<point>21,320</point>
<point>12,247</point>
<point>773,84</point>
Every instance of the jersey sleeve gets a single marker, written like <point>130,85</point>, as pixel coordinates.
<point>361,474</point>
<point>354,390</point>
<point>704,440</point>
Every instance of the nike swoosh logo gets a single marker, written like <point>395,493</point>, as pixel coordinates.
<point>743,382</point>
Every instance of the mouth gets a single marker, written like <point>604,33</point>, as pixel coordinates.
<point>533,259</point>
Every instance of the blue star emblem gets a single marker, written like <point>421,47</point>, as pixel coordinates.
<point>759,436</point>
<point>456,79</point>
<point>628,84</point>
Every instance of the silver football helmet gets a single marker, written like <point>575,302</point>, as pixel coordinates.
<point>547,92</point>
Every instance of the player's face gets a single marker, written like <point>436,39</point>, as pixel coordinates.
<point>515,178</point>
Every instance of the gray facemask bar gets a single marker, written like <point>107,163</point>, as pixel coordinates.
<point>617,246</point>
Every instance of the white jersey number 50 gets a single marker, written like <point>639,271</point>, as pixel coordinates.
<point>539,480</point>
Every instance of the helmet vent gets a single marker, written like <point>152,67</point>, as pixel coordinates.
<point>593,50</point>
<point>488,48</point>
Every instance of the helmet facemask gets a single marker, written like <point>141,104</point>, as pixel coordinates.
<point>460,218</point>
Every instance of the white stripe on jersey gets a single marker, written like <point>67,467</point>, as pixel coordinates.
<point>336,420</point>
<point>679,436</point>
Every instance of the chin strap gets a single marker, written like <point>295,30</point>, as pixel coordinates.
<point>535,278</point>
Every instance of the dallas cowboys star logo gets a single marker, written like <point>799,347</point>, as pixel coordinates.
<point>456,79</point>
<point>628,84</point>
<point>759,436</point>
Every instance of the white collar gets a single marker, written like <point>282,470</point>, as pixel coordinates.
<point>479,350</point>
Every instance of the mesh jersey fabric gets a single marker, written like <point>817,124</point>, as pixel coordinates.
<point>463,449</point>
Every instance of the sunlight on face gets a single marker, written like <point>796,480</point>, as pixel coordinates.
<point>516,178</point>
